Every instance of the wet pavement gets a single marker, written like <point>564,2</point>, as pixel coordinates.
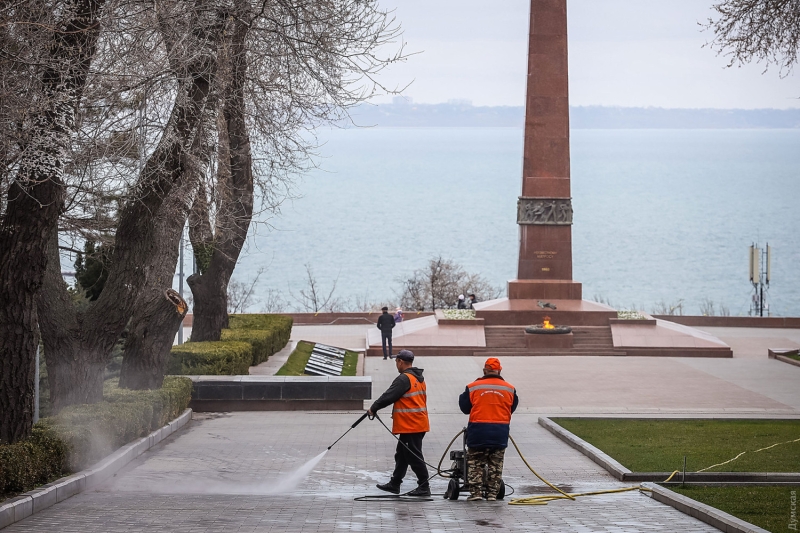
<point>164,489</point>
<point>235,471</point>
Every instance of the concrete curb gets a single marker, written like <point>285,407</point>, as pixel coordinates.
<point>48,495</point>
<point>623,474</point>
<point>787,360</point>
<point>595,454</point>
<point>705,513</point>
<point>780,355</point>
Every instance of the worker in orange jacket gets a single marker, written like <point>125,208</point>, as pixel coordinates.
<point>409,422</point>
<point>489,402</point>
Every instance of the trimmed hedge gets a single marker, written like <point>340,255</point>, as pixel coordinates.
<point>262,322</point>
<point>268,334</point>
<point>35,461</point>
<point>211,358</point>
<point>83,434</point>
<point>263,335</point>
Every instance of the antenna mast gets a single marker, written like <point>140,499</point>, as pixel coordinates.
<point>760,260</point>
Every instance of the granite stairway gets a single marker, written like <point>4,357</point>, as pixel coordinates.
<point>510,340</point>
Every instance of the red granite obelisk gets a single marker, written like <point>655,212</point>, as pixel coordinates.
<point>544,212</point>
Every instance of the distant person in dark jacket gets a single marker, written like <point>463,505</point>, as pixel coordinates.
<point>461,303</point>
<point>472,301</point>
<point>489,402</point>
<point>385,324</point>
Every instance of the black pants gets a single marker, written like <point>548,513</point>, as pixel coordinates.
<point>386,336</point>
<point>403,458</point>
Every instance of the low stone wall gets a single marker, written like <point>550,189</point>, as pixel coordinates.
<point>733,321</point>
<point>342,319</point>
<point>279,393</point>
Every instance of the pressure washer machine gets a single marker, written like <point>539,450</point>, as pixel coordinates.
<point>459,474</point>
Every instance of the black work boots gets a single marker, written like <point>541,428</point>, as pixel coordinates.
<point>394,488</point>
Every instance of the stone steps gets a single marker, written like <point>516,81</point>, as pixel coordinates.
<point>525,351</point>
<point>510,341</point>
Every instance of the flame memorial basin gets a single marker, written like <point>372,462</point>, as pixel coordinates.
<point>547,337</point>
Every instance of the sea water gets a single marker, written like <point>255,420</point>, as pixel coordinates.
<point>659,215</point>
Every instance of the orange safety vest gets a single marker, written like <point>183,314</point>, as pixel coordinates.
<point>410,412</point>
<point>491,399</point>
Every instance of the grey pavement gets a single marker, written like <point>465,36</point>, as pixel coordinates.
<point>275,361</point>
<point>229,473</point>
<point>239,471</point>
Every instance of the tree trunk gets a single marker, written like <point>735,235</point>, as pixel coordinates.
<point>136,255</point>
<point>210,293</point>
<point>153,324</point>
<point>35,201</point>
<point>235,186</point>
<point>75,380</point>
<point>151,339</point>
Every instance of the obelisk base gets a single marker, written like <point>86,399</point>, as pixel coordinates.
<point>550,289</point>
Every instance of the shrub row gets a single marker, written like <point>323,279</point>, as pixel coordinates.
<point>83,434</point>
<point>37,460</point>
<point>250,341</point>
<point>212,358</point>
<point>268,334</point>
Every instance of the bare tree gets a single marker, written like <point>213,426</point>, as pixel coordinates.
<point>294,64</point>
<point>707,307</point>
<point>757,30</point>
<point>663,308</point>
<point>274,302</point>
<point>234,182</point>
<point>240,294</point>
<point>314,299</point>
<point>438,284</point>
<point>79,341</point>
<point>49,87</point>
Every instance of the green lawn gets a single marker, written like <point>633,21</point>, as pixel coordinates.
<point>298,359</point>
<point>796,357</point>
<point>767,507</point>
<point>648,445</point>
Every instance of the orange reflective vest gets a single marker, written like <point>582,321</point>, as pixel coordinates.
<point>410,412</point>
<point>491,400</point>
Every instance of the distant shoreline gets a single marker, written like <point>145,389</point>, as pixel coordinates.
<point>581,117</point>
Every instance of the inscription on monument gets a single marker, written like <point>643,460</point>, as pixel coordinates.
<point>544,211</point>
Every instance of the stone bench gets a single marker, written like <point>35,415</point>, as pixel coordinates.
<point>279,393</point>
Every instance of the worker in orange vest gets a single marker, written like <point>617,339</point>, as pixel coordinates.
<point>489,402</point>
<point>409,422</point>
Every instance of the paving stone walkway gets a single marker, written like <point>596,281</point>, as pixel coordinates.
<point>234,471</point>
<point>227,473</point>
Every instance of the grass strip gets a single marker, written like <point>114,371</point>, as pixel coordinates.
<point>298,359</point>
<point>766,507</point>
<point>659,445</point>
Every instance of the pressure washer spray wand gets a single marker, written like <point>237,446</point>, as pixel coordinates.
<point>357,422</point>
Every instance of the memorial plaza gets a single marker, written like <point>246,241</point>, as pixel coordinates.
<point>237,471</point>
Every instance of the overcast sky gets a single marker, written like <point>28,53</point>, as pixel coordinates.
<point>621,53</point>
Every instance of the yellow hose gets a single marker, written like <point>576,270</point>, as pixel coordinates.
<point>543,500</point>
